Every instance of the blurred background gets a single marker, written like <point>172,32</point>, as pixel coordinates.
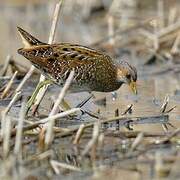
<point>80,21</point>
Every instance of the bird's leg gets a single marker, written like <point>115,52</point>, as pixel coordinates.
<point>85,100</point>
<point>65,105</point>
<point>38,87</point>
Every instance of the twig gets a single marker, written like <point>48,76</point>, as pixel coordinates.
<point>55,165</point>
<point>42,91</point>
<point>8,86</point>
<point>128,110</point>
<point>18,141</point>
<point>50,124</point>
<point>6,64</point>
<point>92,114</point>
<point>171,109</point>
<point>122,122</point>
<point>84,101</point>
<point>165,103</point>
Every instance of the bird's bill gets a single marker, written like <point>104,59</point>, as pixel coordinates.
<point>133,87</point>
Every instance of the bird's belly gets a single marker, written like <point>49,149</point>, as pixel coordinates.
<point>84,85</point>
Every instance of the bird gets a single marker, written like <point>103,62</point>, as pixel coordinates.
<point>93,70</point>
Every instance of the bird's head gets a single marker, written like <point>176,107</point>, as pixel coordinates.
<point>127,74</point>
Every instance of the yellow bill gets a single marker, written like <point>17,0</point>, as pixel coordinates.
<point>133,87</point>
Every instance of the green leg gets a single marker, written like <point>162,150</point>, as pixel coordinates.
<point>65,105</point>
<point>38,87</point>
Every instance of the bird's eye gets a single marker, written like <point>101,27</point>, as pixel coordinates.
<point>128,76</point>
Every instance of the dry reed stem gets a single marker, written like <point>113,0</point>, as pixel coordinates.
<point>3,117</point>
<point>6,136</point>
<point>17,91</point>
<point>172,15</point>
<point>174,172</point>
<point>50,124</point>
<point>161,169</point>
<point>134,134</point>
<point>93,141</point>
<point>26,77</point>
<point>18,140</point>
<point>110,20</point>
<point>36,124</point>
<point>147,33</point>
<point>42,91</point>
<point>39,157</point>
<point>41,144</point>
<point>170,136</point>
<point>100,146</point>
<point>122,122</point>
<point>161,13</point>
<point>152,36</point>
<point>175,48</point>
<point>165,127</point>
<point>59,115</point>
<point>62,93</point>
<point>56,165</point>
<point>168,29</point>
<point>8,86</point>
<point>6,64</point>
<point>162,35</point>
<point>12,102</point>
<point>137,141</point>
<point>78,134</point>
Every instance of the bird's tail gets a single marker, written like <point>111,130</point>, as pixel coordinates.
<point>28,40</point>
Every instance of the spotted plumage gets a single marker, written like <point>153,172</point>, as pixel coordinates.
<point>94,70</point>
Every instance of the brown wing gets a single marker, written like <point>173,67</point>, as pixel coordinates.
<point>57,60</point>
<point>90,66</point>
<point>67,57</point>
